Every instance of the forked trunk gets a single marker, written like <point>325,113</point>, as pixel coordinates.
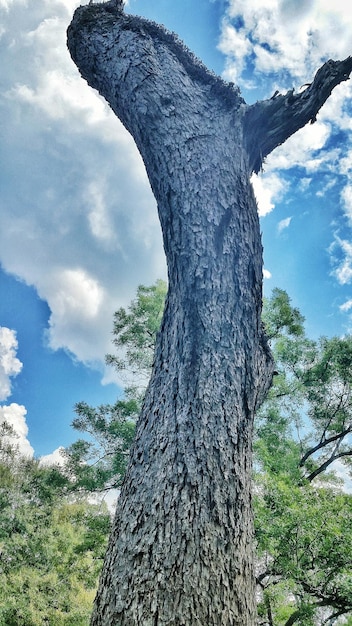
<point>181,551</point>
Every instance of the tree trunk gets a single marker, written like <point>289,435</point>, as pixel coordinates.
<point>181,550</point>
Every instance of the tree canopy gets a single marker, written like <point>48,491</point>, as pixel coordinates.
<point>303,518</point>
<point>51,545</point>
<point>303,522</point>
<point>52,538</point>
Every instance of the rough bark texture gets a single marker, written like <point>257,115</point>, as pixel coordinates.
<point>181,549</point>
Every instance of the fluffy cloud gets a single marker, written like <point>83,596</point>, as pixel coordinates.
<point>5,4</point>
<point>279,44</point>
<point>346,306</point>
<point>82,226</point>
<point>304,149</point>
<point>331,183</point>
<point>55,458</point>
<point>284,224</point>
<point>341,254</point>
<point>268,188</point>
<point>346,196</point>
<point>285,38</point>
<point>10,365</point>
<point>15,416</point>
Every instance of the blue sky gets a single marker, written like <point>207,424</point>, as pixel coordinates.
<point>79,224</point>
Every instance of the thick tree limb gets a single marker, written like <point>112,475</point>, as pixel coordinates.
<point>325,442</point>
<point>327,463</point>
<point>270,122</point>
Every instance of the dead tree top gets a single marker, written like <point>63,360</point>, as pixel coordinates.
<point>91,15</point>
<point>267,123</point>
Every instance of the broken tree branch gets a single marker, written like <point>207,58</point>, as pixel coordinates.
<point>269,123</point>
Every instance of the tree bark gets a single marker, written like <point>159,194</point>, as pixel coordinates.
<point>181,550</point>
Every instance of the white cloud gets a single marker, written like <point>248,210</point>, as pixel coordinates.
<point>82,227</point>
<point>284,224</point>
<point>267,189</point>
<point>266,274</point>
<point>288,39</point>
<point>341,253</point>
<point>346,196</point>
<point>331,183</point>
<point>304,183</point>
<point>75,295</point>
<point>344,271</point>
<point>344,474</point>
<point>302,149</point>
<point>346,306</point>
<point>10,365</point>
<point>55,458</point>
<point>98,215</point>
<point>15,415</point>
<point>77,303</point>
<point>234,44</point>
<point>346,164</point>
<point>6,4</point>
<point>280,44</point>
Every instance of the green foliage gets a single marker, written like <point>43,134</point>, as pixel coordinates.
<point>135,333</point>
<point>312,391</point>
<point>52,540</point>
<point>303,533</point>
<point>303,530</point>
<point>100,463</point>
<point>304,537</point>
<point>280,318</point>
<point>51,547</point>
<point>276,451</point>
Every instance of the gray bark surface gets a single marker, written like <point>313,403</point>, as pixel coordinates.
<point>181,550</point>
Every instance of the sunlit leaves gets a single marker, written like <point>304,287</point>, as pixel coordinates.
<point>303,529</point>
<point>304,539</point>
<point>100,463</point>
<point>135,332</point>
<point>51,547</point>
<point>280,318</point>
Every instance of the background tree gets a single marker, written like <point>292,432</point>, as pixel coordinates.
<point>182,545</point>
<point>303,520</point>
<point>99,462</point>
<point>314,377</point>
<point>134,336</point>
<point>303,532</point>
<point>51,546</point>
<point>304,555</point>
